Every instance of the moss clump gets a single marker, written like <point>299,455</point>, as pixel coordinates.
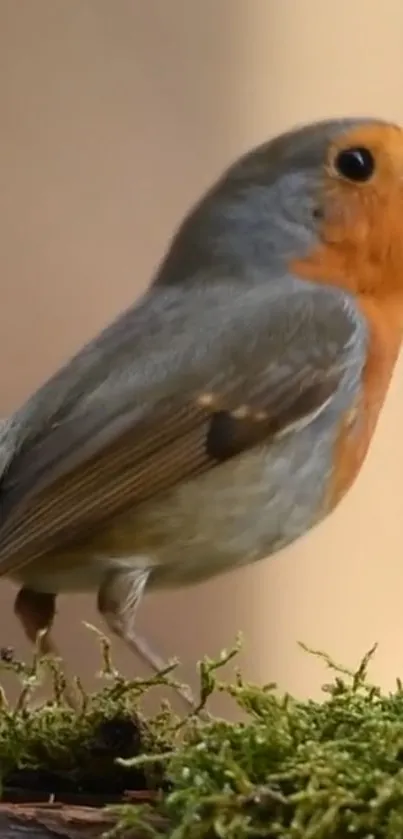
<point>291,769</point>
<point>52,750</point>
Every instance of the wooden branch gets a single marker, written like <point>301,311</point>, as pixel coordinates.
<point>54,821</point>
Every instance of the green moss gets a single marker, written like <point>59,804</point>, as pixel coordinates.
<point>50,749</point>
<point>291,769</point>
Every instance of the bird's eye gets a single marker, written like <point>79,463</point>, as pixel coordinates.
<point>355,164</point>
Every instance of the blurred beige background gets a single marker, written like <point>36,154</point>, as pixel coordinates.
<point>115,114</point>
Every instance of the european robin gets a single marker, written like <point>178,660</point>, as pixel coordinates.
<point>230,409</point>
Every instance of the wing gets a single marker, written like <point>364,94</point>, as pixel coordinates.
<point>180,383</point>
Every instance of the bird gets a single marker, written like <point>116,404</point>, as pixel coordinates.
<point>230,409</point>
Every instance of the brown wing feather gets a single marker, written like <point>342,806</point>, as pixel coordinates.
<point>148,461</point>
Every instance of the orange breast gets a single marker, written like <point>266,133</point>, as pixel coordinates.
<point>356,431</point>
<point>384,315</point>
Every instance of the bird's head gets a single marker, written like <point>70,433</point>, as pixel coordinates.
<point>324,200</point>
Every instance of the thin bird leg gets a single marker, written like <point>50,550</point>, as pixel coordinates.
<point>36,612</point>
<point>118,599</point>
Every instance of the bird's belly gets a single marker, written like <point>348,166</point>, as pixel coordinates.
<point>67,570</point>
<point>235,514</point>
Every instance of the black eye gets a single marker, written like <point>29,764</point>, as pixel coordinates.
<point>355,164</point>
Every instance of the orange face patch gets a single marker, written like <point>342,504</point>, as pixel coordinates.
<point>362,229</point>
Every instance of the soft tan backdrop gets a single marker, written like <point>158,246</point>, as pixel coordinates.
<point>114,115</point>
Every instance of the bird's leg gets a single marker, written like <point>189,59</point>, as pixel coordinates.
<point>118,599</point>
<point>36,612</point>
